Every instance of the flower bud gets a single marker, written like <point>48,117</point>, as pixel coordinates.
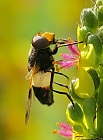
<point>95,77</point>
<point>98,2</point>
<point>80,38</point>
<point>74,95</point>
<point>75,113</point>
<point>100,15</point>
<point>78,129</point>
<point>100,34</point>
<point>93,39</point>
<point>89,19</point>
<point>84,32</point>
<point>89,109</point>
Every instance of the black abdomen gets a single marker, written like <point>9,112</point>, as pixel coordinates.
<point>43,95</point>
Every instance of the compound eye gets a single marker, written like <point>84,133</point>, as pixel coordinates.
<point>39,42</point>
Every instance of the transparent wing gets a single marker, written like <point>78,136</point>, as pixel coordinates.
<point>28,106</point>
<point>29,75</point>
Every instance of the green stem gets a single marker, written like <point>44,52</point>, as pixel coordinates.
<point>85,130</point>
<point>100,110</point>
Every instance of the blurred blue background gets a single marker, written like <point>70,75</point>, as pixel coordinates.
<point>19,21</point>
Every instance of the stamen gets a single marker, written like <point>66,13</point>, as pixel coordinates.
<point>70,40</point>
<point>55,62</point>
<point>55,132</point>
<point>58,68</point>
<point>58,123</point>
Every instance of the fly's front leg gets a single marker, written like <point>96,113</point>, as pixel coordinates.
<point>55,50</point>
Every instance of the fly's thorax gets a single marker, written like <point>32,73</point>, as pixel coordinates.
<point>32,58</point>
<point>44,59</point>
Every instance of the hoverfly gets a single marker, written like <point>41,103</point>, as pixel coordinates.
<point>41,70</point>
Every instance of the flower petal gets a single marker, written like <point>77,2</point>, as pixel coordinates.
<point>67,134</point>
<point>67,64</point>
<point>68,57</point>
<point>88,57</point>
<point>65,126</point>
<point>74,50</point>
<point>65,130</point>
<point>84,86</point>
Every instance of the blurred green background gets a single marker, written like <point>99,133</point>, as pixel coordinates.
<point>19,21</point>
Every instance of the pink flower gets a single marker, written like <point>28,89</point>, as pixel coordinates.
<point>69,60</point>
<point>65,130</point>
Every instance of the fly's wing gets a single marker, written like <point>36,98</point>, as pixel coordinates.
<point>28,106</point>
<point>30,76</point>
